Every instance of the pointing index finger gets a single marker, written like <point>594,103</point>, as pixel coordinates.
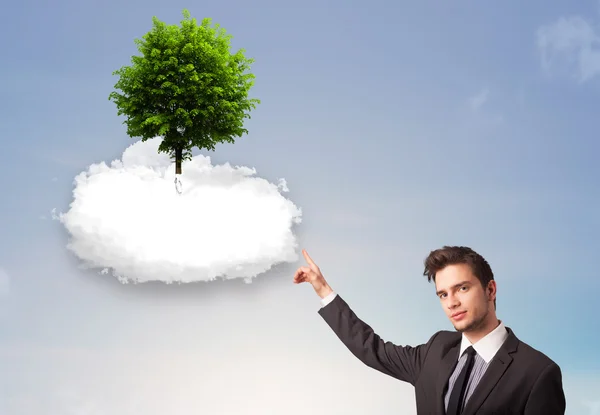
<point>308,258</point>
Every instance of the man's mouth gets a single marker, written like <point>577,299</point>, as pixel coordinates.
<point>458,315</point>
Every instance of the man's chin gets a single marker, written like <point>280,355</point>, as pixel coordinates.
<point>461,328</point>
<point>468,326</point>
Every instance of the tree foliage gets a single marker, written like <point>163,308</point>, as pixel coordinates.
<point>186,87</point>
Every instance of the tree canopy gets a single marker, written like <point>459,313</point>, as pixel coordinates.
<point>186,87</point>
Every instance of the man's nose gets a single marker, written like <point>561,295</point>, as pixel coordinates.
<point>453,301</point>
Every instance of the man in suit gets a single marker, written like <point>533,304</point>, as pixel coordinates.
<point>482,368</point>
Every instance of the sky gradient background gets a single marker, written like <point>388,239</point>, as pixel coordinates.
<point>398,126</point>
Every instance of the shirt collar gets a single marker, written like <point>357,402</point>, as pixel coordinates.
<point>489,345</point>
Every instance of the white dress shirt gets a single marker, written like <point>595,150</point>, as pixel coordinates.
<point>328,299</point>
<point>488,346</point>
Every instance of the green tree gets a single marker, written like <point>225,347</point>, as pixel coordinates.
<point>186,87</point>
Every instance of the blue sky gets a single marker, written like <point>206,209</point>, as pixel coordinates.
<point>398,126</point>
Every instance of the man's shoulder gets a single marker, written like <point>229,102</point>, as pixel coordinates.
<point>528,353</point>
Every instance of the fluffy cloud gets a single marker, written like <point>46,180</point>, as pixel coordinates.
<point>572,43</point>
<point>129,218</point>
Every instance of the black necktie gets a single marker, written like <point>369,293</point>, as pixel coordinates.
<point>458,391</point>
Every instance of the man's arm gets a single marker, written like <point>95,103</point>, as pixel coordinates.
<point>547,396</point>
<point>401,362</point>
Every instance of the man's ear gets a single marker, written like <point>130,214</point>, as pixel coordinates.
<point>491,290</point>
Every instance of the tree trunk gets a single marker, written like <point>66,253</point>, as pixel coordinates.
<point>178,157</point>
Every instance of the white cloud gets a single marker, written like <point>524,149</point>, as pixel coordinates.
<point>4,283</point>
<point>483,117</point>
<point>570,42</point>
<point>478,100</point>
<point>129,218</point>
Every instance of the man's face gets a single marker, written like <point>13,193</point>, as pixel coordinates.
<point>463,299</point>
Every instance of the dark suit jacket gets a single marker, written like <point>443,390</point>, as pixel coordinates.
<point>518,380</point>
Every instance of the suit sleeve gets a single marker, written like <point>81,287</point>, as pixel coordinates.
<point>547,396</point>
<point>401,362</point>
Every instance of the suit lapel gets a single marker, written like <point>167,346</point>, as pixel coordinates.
<point>447,365</point>
<point>492,375</point>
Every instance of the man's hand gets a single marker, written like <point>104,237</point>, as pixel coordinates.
<point>312,274</point>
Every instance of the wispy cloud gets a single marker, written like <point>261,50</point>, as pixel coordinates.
<point>479,113</point>
<point>573,43</point>
<point>478,100</point>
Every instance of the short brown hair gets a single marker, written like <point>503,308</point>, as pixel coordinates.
<point>452,255</point>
